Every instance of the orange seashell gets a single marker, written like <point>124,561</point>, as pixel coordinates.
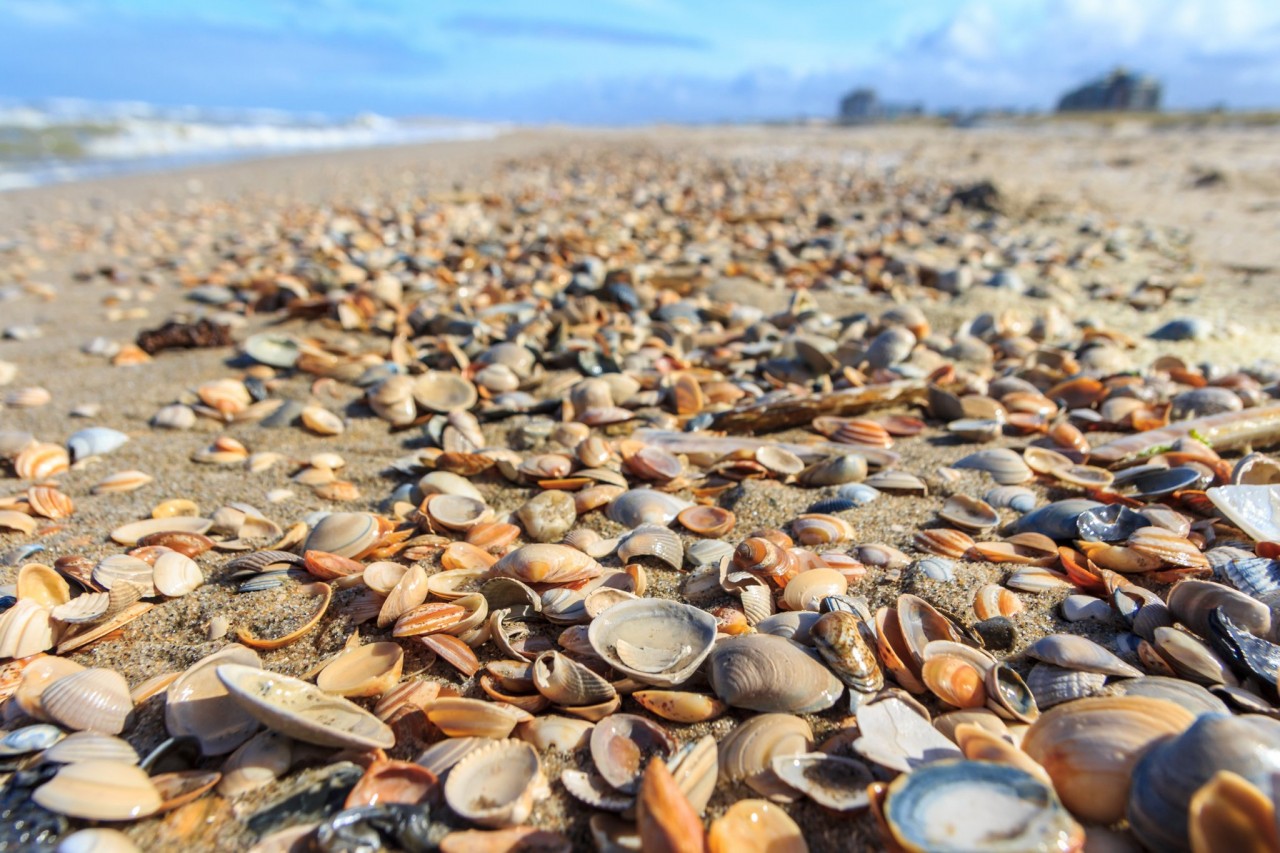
<point>48,502</point>
<point>322,591</point>
<point>1083,392</point>
<point>394,782</point>
<point>492,535</point>
<point>902,425</point>
<point>464,555</point>
<point>326,566</point>
<point>955,681</point>
<point>766,560</point>
<point>943,541</point>
<point>707,520</point>
<point>665,819</point>
<point>40,461</point>
<point>453,652</point>
<point>190,544</point>
<point>863,431</point>
<point>686,395</point>
<point>428,618</point>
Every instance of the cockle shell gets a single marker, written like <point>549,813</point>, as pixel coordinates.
<point>40,461</point>
<point>564,681</point>
<point>651,540</point>
<point>92,699</point>
<point>497,785</point>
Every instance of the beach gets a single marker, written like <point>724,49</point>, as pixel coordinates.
<point>1186,224</point>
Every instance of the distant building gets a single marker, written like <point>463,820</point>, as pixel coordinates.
<point>862,106</point>
<point>1119,90</point>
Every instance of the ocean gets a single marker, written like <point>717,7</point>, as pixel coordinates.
<point>63,140</point>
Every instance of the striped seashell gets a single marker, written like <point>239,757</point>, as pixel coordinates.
<point>227,397</point>
<point>25,630</point>
<point>48,502</point>
<point>1005,466</point>
<point>820,529</point>
<point>89,607</point>
<point>90,700</point>
<point>651,540</point>
<point>943,542</point>
<point>897,482</point>
<point>428,618</point>
<point>122,481</point>
<point>41,460</point>
<point>861,431</point>
<point>1167,546</point>
<point>124,570</point>
<point>994,600</point>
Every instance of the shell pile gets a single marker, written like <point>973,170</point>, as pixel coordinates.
<point>657,501</point>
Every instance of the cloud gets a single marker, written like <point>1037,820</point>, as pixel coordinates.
<point>539,28</point>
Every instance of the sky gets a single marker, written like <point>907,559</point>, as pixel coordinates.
<point>613,62</point>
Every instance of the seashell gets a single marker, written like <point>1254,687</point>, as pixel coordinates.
<point>41,585</point>
<point>707,552</point>
<point>1074,652</point>
<point>860,494</point>
<point>1017,498</point>
<point>393,782</point>
<point>806,590</point>
<point>123,571</point>
<point>48,502</point>
<point>180,787</point>
<point>756,825</point>
<point>969,513</point>
<point>897,482</point>
<point>437,391</point>
<point>92,699</point>
<point>89,607</point>
<point>90,746</point>
<point>567,682</point>
<point>175,574</point>
<point>408,594</point>
<point>895,734</point>
<point>944,542</point>
<point>767,561</point>
<point>654,641</point>
<point>447,483</point>
<point>346,534</point>
<point>133,532</point>
<point>548,516</point>
<point>1167,777</point>
<point>665,819</point>
<point>955,681</point>
<point>816,529</point>
<point>764,673</point>
<point>455,512</point>
<point>174,416</point>
<point>429,618</point>
<point>497,785</point>
<point>272,349</point>
<point>591,789</point>
<point>1229,808</point>
<point>40,461</point>
<point>301,710</point>
<point>321,592</point>
<point>654,463</point>
<point>994,600</point>
<point>1009,696</point>
<point>1254,509</point>
<point>621,743</point>
<point>32,397</point>
<point>28,739</point>
<point>21,522</point>
<point>779,460</point>
<point>707,520</point>
<point>546,563</point>
<point>261,760</point>
<point>838,638</point>
<point>1057,520</point>
<point>198,705</point>
<point>369,670</point>
<point>94,441</point>
<point>1191,602</point>
<point>1168,547</point>
<point>1089,748</point>
<point>78,791</point>
<point>473,718</point>
<point>679,706</point>
<point>646,506</point>
<point>552,732</point>
<point>650,540</point>
<point>1005,466</point>
<point>830,781</point>
<point>1182,654</point>
<point>1044,460</point>
<point>757,602</point>
<point>925,810</point>
<point>748,752</point>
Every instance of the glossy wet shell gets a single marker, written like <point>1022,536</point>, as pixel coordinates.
<point>758,825</point>
<point>347,534</point>
<point>78,790</point>
<point>622,746</point>
<point>765,673</point>
<point>92,699</point>
<point>364,671</point>
<point>645,506</point>
<point>198,705</point>
<point>546,563</point>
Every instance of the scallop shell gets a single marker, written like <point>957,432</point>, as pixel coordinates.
<point>78,791</point>
<point>654,641</point>
<point>92,699</point>
<point>765,673</point>
<point>301,710</point>
<point>497,785</point>
<point>48,502</point>
<point>650,540</point>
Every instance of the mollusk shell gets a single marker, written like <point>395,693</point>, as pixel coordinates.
<point>497,785</point>
<point>654,641</point>
<point>81,790</point>
<point>546,563</point>
<point>92,699</point>
<point>765,673</point>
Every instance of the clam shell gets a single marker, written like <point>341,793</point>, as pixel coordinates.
<point>301,710</point>
<point>393,782</point>
<point>765,673</point>
<point>680,706</point>
<point>92,699</point>
<point>347,534</point>
<point>40,461</point>
<point>363,671</point>
<point>1073,652</point>
<point>806,590</point>
<point>175,574</point>
<point>662,642</point>
<point>818,529</point>
<point>552,732</point>
<point>969,513</point>
<point>129,534</point>
<point>621,745</point>
<point>645,506</point>
<point>930,809</point>
<point>441,756</point>
<point>830,781</point>
<point>1089,748</point>
<point>42,585</point>
<point>458,717</point>
<point>1191,602</point>
<point>258,762</point>
<point>566,682</point>
<point>545,563</point>
<point>836,471</point>
<point>755,824</point>
<point>895,481</point>
<point>456,512</point>
<point>592,790</point>
<point>90,746</point>
<point>437,391</point>
<point>94,441</point>
<point>1005,466</point>
<point>497,785</point>
<point>895,735</point>
<point>78,791</point>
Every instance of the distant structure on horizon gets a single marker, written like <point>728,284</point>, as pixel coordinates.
<point>1120,90</point>
<point>863,106</point>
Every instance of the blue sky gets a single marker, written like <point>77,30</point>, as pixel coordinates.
<point>627,61</point>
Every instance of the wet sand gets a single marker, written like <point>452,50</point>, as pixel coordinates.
<point>1222,233</point>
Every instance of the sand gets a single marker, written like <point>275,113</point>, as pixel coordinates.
<point>1223,230</point>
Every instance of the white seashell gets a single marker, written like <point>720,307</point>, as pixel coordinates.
<point>174,416</point>
<point>80,790</point>
<point>175,574</point>
<point>896,736</point>
<point>129,534</point>
<point>1254,509</point>
<point>498,785</point>
<point>92,699</point>
<point>197,705</point>
<point>122,481</point>
<point>25,630</point>
<point>652,631</point>
<point>259,761</point>
<point>90,746</point>
<point>94,441</point>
